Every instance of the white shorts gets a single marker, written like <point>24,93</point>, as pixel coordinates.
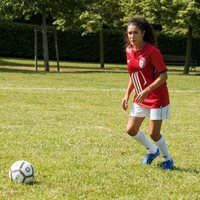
<point>152,113</point>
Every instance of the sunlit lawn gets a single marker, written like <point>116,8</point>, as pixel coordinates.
<point>71,127</point>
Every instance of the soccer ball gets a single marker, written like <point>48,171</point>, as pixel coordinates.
<point>22,172</point>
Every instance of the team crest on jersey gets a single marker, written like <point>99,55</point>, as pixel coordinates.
<point>129,49</point>
<point>142,62</point>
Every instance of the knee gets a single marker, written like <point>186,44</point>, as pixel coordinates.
<point>132,131</point>
<point>155,136</point>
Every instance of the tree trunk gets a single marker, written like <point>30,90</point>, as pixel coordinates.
<point>57,54</point>
<point>101,49</point>
<point>35,47</point>
<point>45,43</point>
<point>188,51</point>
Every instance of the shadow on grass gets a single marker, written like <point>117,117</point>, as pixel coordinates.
<point>179,71</point>
<point>11,67</point>
<point>25,71</point>
<point>188,170</point>
<point>183,169</point>
<point>4,62</point>
<point>70,70</point>
<point>181,74</point>
<point>16,63</point>
<point>36,182</point>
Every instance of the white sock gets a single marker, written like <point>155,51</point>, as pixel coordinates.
<point>142,138</point>
<point>163,148</point>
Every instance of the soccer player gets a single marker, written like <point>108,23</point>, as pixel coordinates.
<point>148,75</point>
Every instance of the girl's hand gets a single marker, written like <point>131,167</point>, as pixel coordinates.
<point>125,102</point>
<point>142,96</point>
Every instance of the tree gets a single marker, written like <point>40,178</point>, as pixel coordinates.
<point>175,16</point>
<point>99,15</point>
<point>187,19</point>
<point>12,9</point>
<point>91,15</point>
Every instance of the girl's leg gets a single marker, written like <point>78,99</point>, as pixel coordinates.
<point>154,131</point>
<point>133,127</point>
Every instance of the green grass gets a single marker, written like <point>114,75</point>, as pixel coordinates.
<point>71,127</point>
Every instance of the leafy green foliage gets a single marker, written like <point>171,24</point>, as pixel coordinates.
<point>101,14</point>
<point>188,14</point>
<point>19,8</point>
<point>174,16</point>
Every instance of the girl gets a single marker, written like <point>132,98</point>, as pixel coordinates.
<point>148,75</point>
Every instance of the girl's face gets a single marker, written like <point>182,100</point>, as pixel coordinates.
<point>135,35</point>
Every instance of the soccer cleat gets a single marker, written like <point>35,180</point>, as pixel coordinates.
<point>150,157</point>
<point>168,165</point>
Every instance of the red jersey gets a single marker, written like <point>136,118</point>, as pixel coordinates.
<point>144,66</point>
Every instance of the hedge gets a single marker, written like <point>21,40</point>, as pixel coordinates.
<point>17,40</point>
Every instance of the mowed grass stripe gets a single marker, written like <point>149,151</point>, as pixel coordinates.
<point>85,89</point>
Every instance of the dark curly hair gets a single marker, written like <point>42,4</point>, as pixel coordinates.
<point>143,25</point>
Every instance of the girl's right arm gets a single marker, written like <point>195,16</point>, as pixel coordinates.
<point>128,92</point>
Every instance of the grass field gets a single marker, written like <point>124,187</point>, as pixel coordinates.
<point>71,127</point>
